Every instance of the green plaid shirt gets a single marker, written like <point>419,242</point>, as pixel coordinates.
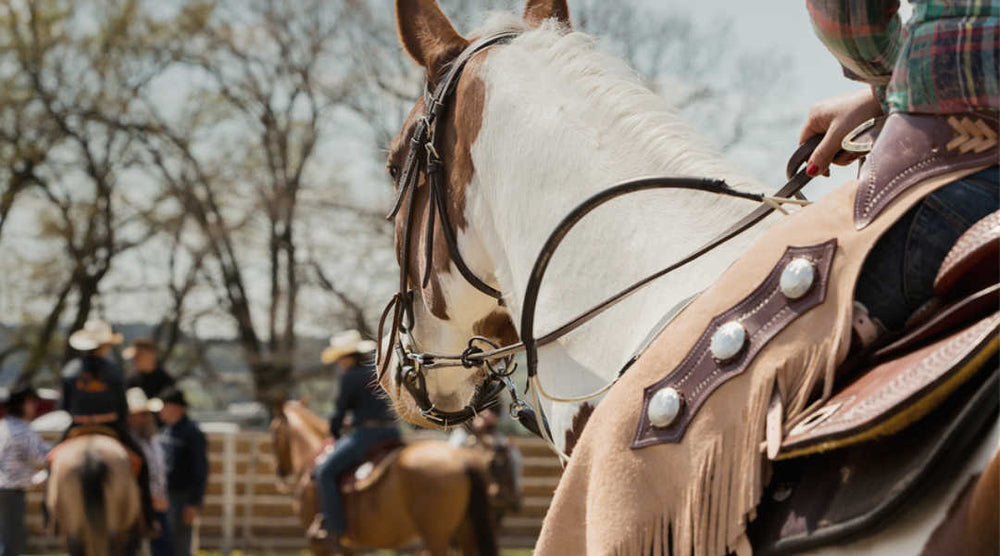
<point>943,61</point>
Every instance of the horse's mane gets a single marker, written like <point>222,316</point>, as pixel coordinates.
<point>615,92</point>
<point>302,417</point>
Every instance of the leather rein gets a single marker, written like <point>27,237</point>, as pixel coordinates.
<point>496,362</point>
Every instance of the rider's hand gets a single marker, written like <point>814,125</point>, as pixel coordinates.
<point>836,117</point>
<point>189,514</point>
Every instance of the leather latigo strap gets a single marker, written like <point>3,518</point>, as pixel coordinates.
<point>897,393</point>
<point>912,148</point>
<point>763,314</point>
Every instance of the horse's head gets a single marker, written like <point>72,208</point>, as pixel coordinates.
<point>448,287</point>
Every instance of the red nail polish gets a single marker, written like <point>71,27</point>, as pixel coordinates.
<point>812,169</point>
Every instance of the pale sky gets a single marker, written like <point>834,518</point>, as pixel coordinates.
<point>783,26</point>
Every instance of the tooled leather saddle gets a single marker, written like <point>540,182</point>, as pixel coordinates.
<point>903,413</point>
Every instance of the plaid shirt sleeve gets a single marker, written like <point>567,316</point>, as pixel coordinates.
<point>943,61</point>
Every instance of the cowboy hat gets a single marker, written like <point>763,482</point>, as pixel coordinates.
<point>346,343</point>
<point>94,334</point>
<point>139,403</point>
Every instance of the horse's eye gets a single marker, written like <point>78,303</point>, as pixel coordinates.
<point>394,172</point>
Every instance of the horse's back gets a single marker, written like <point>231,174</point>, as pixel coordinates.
<point>394,510</point>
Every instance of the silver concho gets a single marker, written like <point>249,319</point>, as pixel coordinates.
<point>797,277</point>
<point>664,407</point>
<point>728,340</point>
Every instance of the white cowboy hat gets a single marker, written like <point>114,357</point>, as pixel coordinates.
<point>139,403</point>
<point>346,343</point>
<point>94,334</point>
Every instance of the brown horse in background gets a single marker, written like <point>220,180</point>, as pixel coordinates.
<point>431,492</point>
<point>92,496</point>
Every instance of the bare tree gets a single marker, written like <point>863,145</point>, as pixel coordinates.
<point>68,84</point>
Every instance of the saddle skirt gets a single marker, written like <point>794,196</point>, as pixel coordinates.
<point>745,407</point>
<point>366,474</point>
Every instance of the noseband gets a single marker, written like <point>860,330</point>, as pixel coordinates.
<point>494,361</point>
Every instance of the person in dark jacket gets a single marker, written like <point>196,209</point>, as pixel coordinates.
<point>373,423</point>
<point>93,393</point>
<point>187,466</point>
<point>148,374</point>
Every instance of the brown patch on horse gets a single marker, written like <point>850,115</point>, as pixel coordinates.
<point>537,11</point>
<point>579,422</point>
<point>972,524</point>
<point>497,325</point>
<point>427,35</point>
<point>459,129</point>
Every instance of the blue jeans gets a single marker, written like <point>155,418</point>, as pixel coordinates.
<point>180,534</point>
<point>898,275</point>
<point>348,451</point>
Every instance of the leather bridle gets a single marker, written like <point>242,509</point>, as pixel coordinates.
<point>481,354</point>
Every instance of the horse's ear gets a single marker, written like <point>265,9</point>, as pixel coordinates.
<point>427,35</point>
<point>538,11</point>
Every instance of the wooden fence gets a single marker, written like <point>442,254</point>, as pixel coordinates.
<point>245,508</point>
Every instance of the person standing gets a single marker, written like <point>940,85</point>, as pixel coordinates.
<point>373,421</point>
<point>144,431</point>
<point>148,375</point>
<point>22,452</point>
<point>187,466</point>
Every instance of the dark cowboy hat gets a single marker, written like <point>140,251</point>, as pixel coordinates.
<point>19,394</point>
<point>173,395</point>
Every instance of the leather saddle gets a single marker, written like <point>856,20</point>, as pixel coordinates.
<point>377,460</point>
<point>364,475</point>
<point>904,414</point>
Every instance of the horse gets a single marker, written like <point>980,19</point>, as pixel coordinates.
<point>536,125</point>
<point>430,492</point>
<point>535,122</point>
<point>92,497</point>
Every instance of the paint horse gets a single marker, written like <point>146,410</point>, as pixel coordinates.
<point>679,452</point>
<point>426,491</point>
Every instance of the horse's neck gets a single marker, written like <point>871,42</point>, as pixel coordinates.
<point>306,440</point>
<point>544,147</point>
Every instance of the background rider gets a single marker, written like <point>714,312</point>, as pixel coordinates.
<point>93,393</point>
<point>374,422</point>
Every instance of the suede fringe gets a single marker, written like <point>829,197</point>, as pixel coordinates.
<point>729,471</point>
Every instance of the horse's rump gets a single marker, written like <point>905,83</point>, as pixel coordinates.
<point>92,495</point>
<point>692,481</point>
<point>97,430</point>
